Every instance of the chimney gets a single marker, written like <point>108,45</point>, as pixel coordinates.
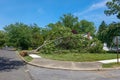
<point>88,35</point>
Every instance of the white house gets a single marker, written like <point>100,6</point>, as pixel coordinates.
<point>113,48</point>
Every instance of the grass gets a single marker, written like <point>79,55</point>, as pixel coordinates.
<point>28,58</point>
<point>111,65</point>
<point>79,57</point>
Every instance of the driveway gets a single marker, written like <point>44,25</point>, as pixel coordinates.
<point>11,67</point>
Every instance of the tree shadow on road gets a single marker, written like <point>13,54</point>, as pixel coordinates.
<point>8,64</point>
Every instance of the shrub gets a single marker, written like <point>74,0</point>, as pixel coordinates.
<point>48,49</point>
<point>30,48</point>
<point>96,47</point>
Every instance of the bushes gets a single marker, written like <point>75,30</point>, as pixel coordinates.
<point>48,49</point>
<point>96,46</point>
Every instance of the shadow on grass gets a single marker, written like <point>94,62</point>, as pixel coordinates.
<point>8,64</point>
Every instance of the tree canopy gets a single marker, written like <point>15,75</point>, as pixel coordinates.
<point>65,34</point>
<point>22,35</point>
<point>68,20</point>
<point>86,26</point>
<point>101,34</point>
<point>113,8</point>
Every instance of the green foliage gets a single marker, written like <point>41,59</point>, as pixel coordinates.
<point>64,36</point>
<point>22,35</point>
<point>102,27</point>
<point>112,31</point>
<point>96,46</point>
<point>37,37</point>
<point>48,49</point>
<point>2,38</point>
<point>70,42</point>
<point>30,48</point>
<point>68,20</point>
<point>73,43</point>
<point>113,8</point>
<point>108,33</point>
<point>101,34</point>
<point>86,26</point>
<point>18,34</point>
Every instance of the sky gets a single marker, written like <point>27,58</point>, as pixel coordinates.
<point>43,12</point>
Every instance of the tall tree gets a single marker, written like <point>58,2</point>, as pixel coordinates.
<point>18,35</point>
<point>36,33</point>
<point>112,31</point>
<point>102,32</point>
<point>113,8</point>
<point>86,26</point>
<point>68,20</point>
<point>102,27</point>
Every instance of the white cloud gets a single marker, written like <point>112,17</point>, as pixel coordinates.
<point>98,17</point>
<point>98,5</point>
<point>93,7</point>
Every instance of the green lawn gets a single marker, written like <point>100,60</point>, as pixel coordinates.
<point>111,65</point>
<point>28,58</point>
<point>79,57</point>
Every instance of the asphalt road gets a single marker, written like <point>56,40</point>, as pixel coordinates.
<point>52,74</point>
<point>12,68</point>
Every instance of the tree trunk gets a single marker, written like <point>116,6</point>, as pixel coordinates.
<point>45,43</point>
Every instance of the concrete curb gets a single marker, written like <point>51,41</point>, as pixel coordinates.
<point>82,69</point>
<point>43,66</point>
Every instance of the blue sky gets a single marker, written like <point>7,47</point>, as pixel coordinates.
<point>43,12</point>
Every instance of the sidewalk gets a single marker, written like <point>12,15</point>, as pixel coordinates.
<point>108,61</point>
<point>69,65</point>
<point>47,63</point>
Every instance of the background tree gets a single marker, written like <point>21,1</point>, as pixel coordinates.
<point>112,31</point>
<point>102,27</point>
<point>86,26</point>
<point>53,35</point>
<point>2,38</point>
<point>37,37</point>
<point>101,34</point>
<point>113,8</point>
<point>18,35</point>
<point>68,20</point>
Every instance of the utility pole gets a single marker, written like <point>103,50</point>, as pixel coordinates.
<point>117,49</point>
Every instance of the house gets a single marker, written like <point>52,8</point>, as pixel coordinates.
<point>113,48</point>
<point>88,36</point>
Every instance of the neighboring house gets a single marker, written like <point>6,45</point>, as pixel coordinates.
<point>114,40</point>
<point>88,36</point>
<point>105,47</point>
<point>113,48</point>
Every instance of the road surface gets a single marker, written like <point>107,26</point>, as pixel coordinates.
<point>52,74</point>
<point>12,68</point>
